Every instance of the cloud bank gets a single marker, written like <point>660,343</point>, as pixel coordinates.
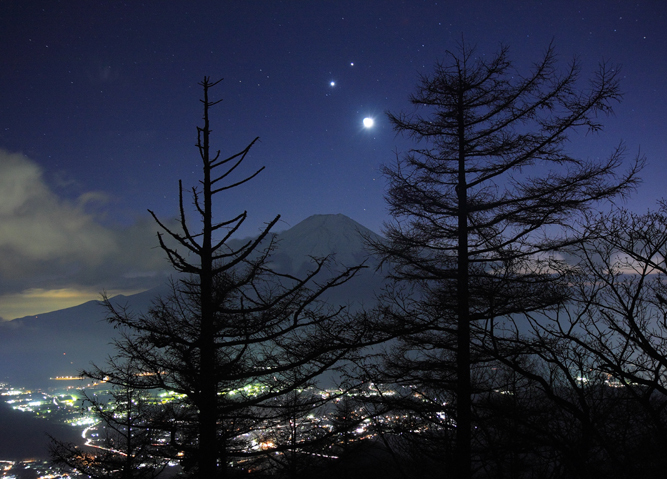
<point>50,244</point>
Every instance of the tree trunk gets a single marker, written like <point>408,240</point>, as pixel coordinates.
<point>208,387</point>
<point>463,399</point>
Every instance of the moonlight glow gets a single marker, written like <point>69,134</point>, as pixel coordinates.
<point>368,122</point>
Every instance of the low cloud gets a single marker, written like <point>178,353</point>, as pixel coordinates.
<point>36,225</point>
<point>37,300</point>
<point>50,244</point>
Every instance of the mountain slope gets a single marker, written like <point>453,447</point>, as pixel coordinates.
<point>60,343</point>
<point>64,342</point>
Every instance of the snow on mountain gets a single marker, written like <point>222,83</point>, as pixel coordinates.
<point>322,235</point>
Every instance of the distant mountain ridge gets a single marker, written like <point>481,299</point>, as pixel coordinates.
<point>66,341</point>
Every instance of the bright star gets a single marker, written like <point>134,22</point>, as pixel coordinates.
<point>333,83</point>
<point>368,122</point>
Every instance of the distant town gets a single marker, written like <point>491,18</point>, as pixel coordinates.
<point>65,403</point>
<point>61,404</point>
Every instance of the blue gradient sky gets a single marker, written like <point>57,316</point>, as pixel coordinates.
<point>99,103</point>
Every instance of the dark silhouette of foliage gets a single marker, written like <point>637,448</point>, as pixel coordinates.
<point>479,206</point>
<point>233,336</point>
<point>598,361</point>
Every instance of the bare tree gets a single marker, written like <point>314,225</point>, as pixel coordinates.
<point>233,334</point>
<point>622,311</point>
<point>619,320</point>
<point>596,364</point>
<point>480,204</point>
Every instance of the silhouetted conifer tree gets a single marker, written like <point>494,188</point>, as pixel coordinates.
<point>479,205</point>
<point>233,335</point>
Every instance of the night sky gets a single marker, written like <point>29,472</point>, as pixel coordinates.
<point>99,104</point>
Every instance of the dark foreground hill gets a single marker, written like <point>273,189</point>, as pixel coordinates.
<point>64,342</point>
<point>26,437</point>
